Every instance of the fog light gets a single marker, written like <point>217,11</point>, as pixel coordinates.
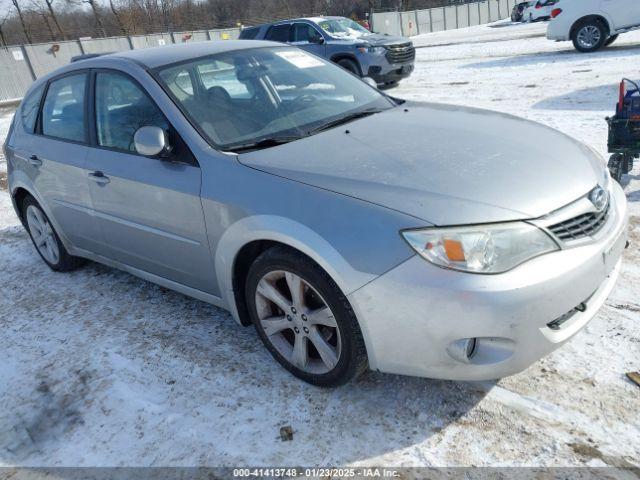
<point>463,350</point>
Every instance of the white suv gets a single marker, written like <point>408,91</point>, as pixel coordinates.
<point>592,24</point>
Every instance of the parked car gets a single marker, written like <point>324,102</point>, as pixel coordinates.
<point>386,59</point>
<point>593,24</point>
<point>540,10</point>
<point>339,221</point>
<point>518,10</point>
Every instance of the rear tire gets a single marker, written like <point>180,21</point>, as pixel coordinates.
<point>589,35</point>
<point>610,40</point>
<point>291,325</point>
<point>616,166</point>
<point>45,238</point>
<point>350,66</point>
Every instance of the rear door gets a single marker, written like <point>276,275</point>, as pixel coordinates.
<point>149,209</point>
<point>309,38</point>
<point>56,158</point>
<point>280,33</point>
<point>623,13</point>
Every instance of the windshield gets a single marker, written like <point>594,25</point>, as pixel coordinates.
<point>267,96</point>
<point>342,27</point>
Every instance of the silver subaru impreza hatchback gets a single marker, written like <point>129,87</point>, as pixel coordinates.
<point>352,229</point>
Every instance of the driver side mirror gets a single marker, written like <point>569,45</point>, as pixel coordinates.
<point>151,141</point>
<point>317,40</point>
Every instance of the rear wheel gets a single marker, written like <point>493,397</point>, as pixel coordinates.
<point>303,319</point>
<point>350,66</point>
<point>610,40</point>
<point>617,166</point>
<point>589,36</point>
<point>45,238</point>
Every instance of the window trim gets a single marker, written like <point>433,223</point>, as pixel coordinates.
<point>93,122</point>
<point>38,128</point>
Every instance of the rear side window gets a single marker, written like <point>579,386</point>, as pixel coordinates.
<point>279,33</point>
<point>63,113</point>
<point>29,109</point>
<point>249,33</point>
<point>122,107</point>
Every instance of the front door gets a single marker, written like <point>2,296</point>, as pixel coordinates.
<point>149,208</point>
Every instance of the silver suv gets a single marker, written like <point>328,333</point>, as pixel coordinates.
<point>383,58</point>
<point>351,229</point>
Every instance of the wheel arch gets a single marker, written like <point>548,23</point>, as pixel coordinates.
<point>249,237</point>
<point>18,196</point>
<point>19,191</point>
<point>599,17</point>
<point>347,56</point>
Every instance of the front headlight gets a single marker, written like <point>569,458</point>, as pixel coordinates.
<point>377,50</point>
<point>491,248</point>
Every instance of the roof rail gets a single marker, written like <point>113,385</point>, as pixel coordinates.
<point>87,56</point>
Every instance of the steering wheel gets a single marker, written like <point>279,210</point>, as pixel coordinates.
<point>303,100</point>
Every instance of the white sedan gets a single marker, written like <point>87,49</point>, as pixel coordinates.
<point>540,10</point>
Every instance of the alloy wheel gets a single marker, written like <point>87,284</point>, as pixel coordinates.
<point>589,36</point>
<point>42,234</point>
<point>298,322</point>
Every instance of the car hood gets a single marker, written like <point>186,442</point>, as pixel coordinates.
<point>443,164</point>
<point>374,39</point>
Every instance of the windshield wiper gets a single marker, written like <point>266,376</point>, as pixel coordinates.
<point>345,119</point>
<point>265,142</point>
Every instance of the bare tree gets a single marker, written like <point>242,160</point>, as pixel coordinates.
<point>54,17</point>
<point>118,18</point>
<point>22,22</point>
<point>95,10</point>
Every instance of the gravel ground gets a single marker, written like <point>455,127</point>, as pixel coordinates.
<point>103,369</point>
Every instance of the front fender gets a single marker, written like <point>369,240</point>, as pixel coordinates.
<point>289,232</point>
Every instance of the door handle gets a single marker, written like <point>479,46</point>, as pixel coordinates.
<point>99,177</point>
<point>35,161</point>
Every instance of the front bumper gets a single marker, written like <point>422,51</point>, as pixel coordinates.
<point>411,316</point>
<point>390,73</point>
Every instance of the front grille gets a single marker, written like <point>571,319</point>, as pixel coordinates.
<point>402,53</point>
<point>585,225</point>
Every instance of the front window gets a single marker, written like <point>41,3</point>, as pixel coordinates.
<point>241,98</point>
<point>343,27</point>
<point>121,109</point>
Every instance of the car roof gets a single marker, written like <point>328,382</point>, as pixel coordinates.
<point>165,55</point>
<point>308,19</point>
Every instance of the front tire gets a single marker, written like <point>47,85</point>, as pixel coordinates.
<point>350,66</point>
<point>303,319</point>
<point>45,238</point>
<point>589,36</point>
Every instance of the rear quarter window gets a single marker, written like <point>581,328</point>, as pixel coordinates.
<point>249,33</point>
<point>29,109</point>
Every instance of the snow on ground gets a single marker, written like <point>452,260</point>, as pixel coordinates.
<point>101,368</point>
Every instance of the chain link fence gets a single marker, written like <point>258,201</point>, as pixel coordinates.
<point>417,22</point>
<point>20,65</point>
